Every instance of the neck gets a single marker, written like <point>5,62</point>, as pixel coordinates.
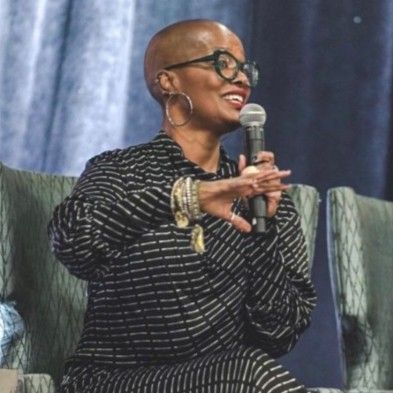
<point>202,147</point>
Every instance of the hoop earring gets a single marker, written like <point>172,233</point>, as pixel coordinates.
<point>167,111</point>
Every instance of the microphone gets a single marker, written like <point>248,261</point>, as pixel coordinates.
<point>252,118</point>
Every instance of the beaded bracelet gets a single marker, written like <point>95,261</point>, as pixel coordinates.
<point>186,210</point>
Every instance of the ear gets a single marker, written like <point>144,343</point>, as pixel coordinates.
<point>166,80</point>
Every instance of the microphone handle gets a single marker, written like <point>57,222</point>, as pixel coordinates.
<point>255,142</point>
<point>258,209</point>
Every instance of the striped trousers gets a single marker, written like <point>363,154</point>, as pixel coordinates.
<point>241,370</point>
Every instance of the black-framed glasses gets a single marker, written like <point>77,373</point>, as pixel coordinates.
<point>227,66</point>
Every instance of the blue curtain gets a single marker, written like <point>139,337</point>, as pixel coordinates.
<point>71,86</point>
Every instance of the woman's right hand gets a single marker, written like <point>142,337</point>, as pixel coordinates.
<point>216,197</point>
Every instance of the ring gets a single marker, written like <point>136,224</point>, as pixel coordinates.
<point>259,162</point>
<point>275,167</point>
<point>232,217</point>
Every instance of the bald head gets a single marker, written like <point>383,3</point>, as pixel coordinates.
<point>180,42</point>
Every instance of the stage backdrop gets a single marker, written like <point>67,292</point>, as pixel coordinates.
<point>71,85</point>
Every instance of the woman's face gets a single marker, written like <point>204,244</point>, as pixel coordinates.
<point>216,102</point>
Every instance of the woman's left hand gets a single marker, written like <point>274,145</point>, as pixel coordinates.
<point>266,162</point>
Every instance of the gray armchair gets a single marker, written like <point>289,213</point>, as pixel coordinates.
<point>360,235</point>
<point>50,301</point>
<point>306,200</point>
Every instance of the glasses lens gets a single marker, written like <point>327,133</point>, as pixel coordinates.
<point>252,72</point>
<point>226,66</point>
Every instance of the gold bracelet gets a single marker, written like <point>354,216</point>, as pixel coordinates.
<point>186,209</point>
<point>177,206</point>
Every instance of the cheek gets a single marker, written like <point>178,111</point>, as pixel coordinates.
<point>206,95</point>
<point>205,90</point>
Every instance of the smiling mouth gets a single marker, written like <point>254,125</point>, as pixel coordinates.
<point>235,98</point>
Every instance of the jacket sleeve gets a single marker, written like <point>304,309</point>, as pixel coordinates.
<point>281,295</point>
<point>110,206</point>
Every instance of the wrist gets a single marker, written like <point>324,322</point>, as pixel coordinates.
<point>208,192</point>
<point>204,194</point>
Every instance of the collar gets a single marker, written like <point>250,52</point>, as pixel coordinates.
<point>227,167</point>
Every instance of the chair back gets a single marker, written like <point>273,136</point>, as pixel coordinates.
<point>306,200</point>
<point>360,241</point>
<point>50,300</point>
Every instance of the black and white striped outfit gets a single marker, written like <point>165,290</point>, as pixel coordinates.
<point>160,317</point>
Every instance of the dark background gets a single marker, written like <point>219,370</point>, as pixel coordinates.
<point>328,94</point>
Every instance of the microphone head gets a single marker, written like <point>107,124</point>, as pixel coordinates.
<point>252,114</point>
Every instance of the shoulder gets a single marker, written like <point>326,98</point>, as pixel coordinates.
<point>112,171</point>
<point>129,166</point>
<point>128,156</point>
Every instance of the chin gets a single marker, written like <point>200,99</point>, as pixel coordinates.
<point>229,127</point>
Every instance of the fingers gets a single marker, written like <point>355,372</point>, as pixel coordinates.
<point>269,179</point>
<point>239,223</point>
<point>244,186</point>
<point>269,182</point>
<point>264,159</point>
<point>252,169</point>
<point>242,162</point>
<point>271,174</point>
<point>268,189</point>
<point>272,206</point>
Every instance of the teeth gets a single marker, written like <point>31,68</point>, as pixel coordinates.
<point>234,97</point>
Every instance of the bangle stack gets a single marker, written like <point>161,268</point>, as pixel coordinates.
<point>186,210</point>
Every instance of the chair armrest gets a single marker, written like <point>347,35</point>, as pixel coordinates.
<point>38,383</point>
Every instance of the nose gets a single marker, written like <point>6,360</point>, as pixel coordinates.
<point>242,79</point>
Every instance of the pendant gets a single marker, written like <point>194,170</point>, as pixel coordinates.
<point>197,239</point>
<point>181,219</point>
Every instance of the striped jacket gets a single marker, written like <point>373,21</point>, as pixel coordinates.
<point>152,299</point>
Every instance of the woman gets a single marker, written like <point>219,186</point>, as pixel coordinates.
<point>182,296</point>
